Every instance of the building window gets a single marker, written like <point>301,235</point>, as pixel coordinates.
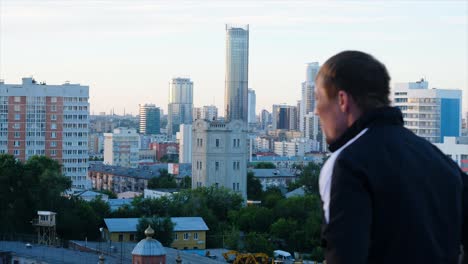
<point>16,143</point>
<point>186,236</point>
<point>53,135</point>
<point>216,165</point>
<point>16,152</point>
<point>132,237</point>
<point>217,142</point>
<point>17,116</point>
<point>120,237</point>
<point>53,108</point>
<point>53,117</point>
<point>17,108</point>
<point>53,143</point>
<point>17,134</point>
<point>236,165</point>
<point>53,126</point>
<point>17,99</point>
<point>53,153</point>
<point>176,237</point>
<point>195,236</point>
<point>237,186</point>
<point>53,99</point>
<point>16,126</point>
<point>234,186</point>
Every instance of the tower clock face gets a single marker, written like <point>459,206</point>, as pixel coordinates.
<point>237,126</point>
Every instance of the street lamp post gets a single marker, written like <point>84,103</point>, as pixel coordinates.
<point>100,238</point>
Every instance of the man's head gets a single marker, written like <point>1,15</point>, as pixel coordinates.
<point>349,84</point>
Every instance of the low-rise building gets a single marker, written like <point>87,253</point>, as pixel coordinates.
<point>274,177</point>
<point>457,149</point>
<point>169,149</point>
<point>189,232</point>
<point>286,162</point>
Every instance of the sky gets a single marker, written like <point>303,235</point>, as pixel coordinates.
<point>127,51</point>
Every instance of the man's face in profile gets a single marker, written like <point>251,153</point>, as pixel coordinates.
<point>332,119</point>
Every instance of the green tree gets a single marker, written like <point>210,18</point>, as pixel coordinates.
<point>76,219</point>
<point>271,197</point>
<point>256,243</point>
<point>100,208</point>
<point>265,165</point>
<point>163,181</point>
<point>254,187</point>
<point>186,183</point>
<point>232,238</point>
<point>26,188</point>
<point>254,219</point>
<point>48,182</point>
<point>16,201</point>
<point>162,226</point>
<point>310,177</point>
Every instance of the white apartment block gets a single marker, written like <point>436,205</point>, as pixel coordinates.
<point>297,147</point>
<point>430,113</point>
<point>210,112</point>
<point>219,155</point>
<point>457,149</point>
<point>51,120</point>
<point>313,131</point>
<point>184,138</point>
<point>121,148</point>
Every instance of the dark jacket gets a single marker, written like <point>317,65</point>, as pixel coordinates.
<point>394,197</point>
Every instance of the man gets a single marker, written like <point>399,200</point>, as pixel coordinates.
<point>388,195</point>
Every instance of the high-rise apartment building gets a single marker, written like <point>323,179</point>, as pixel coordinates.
<point>308,89</point>
<point>237,73</point>
<point>265,119</point>
<point>252,117</point>
<point>197,113</point>
<point>51,120</point>
<point>430,113</point>
<point>121,147</point>
<point>150,119</point>
<point>180,104</point>
<point>284,117</point>
<point>210,112</point>
<point>184,138</point>
<point>219,155</point>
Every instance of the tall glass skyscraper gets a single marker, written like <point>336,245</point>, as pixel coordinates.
<point>149,119</point>
<point>237,73</point>
<point>180,104</point>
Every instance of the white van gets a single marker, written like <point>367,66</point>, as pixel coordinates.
<point>282,255</point>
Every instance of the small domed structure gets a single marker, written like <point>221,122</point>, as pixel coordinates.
<point>149,250</point>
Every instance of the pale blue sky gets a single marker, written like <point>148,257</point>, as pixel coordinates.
<point>127,51</point>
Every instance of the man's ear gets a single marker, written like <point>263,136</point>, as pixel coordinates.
<point>343,101</point>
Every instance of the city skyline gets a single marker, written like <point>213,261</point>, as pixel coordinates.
<point>129,51</point>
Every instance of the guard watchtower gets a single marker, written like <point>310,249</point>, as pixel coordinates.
<point>46,227</point>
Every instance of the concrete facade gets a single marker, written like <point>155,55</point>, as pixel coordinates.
<point>121,148</point>
<point>50,120</point>
<point>220,155</point>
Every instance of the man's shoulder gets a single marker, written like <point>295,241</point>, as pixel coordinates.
<point>381,141</point>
